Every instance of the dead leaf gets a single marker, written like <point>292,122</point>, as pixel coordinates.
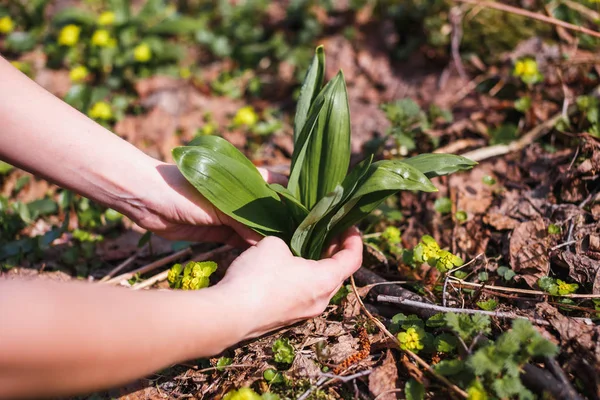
<point>529,255</point>
<point>582,269</point>
<point>384,377</point>
<point>346,346</point>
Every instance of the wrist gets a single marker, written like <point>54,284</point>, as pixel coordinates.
<point>222,315</point>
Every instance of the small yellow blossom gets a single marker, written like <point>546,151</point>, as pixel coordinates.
<point>142,53</point>
<point>185,72</point>
<point>245,116</point>
<point>476,392</point>
<point>410,340</point>
<point>101,38</point>
<point>69,35</point>
<point>101,110</point>
<point>6,24</point>
<point>106,18</point>
<point>566,288</point>
<point>527,70</point>
<point>427,250</point>
<point>242,394</point>
<point>78,73</point>
<point>447,261</point>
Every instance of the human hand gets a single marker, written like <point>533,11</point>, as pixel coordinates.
<point>275,288</point>
<point>175,210</point>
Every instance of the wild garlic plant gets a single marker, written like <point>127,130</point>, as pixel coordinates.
<point>321,199</point>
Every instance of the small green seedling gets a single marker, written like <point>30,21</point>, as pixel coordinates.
<point>283,352</point>
<point>556,287</point>
<point>321,199</point>
<point>195,275</point>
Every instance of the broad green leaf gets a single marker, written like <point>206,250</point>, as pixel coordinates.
<point>433,165</point>
<point>299,212</point>
<point>322,152</point>
<point>234,186</point>
<point>384,179</point>
<point>324,226</point>
<point>310,88</point>
<point>302,234</point>
<point>220,145</point>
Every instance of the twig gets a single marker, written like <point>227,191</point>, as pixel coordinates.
<point>435,307</point>
<point>522,291</point>
<point>163,275</point>
<point>529,14</point>
<point>457,33</point>
<point>151,266</point>
<point>119,267</point>
<point>415,357</point>
<point>501,149</point>
<point>565,244</point>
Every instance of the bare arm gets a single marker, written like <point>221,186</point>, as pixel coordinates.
<point>59,339</point>
<point>49,138</point>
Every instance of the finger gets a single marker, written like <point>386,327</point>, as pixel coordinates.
<point>272,177</point>
<point>349,259</point>
<point>333,248</point>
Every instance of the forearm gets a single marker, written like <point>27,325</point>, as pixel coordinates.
<point>60,339</point>
<point>45,136</point>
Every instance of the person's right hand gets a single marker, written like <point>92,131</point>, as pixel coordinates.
<point>276,289</point>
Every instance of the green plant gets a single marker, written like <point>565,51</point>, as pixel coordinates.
<point>320,201</point>
<point>487,305</point>
<point>553,229</point>
<point>429,251</point>
<point>408,121</point>
<point>412,339</point>
<point>222,362</point>
<point>283,351</point>
<point>556,287</point>
<point>443,205</point>
<point>498,365</point>
<point>195,275</point>
<point>273,376</point>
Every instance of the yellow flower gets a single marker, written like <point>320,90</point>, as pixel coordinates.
<point>142,53</point>
<point>427,250</point>
<point>245,116</point>
<point>101,110</point>
<point>527,70</point>
<point>69,35</point>
<point>78,74</point>
<point>106,18</point>
<point>101,38</point>
<point>6,24</point>
<point>410,340</point>
<point>185,72</point>
<point>242,394</point>
<point>447,261</point>
<point>566,288</point>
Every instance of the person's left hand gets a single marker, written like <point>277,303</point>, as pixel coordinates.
<point>175,210</point>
